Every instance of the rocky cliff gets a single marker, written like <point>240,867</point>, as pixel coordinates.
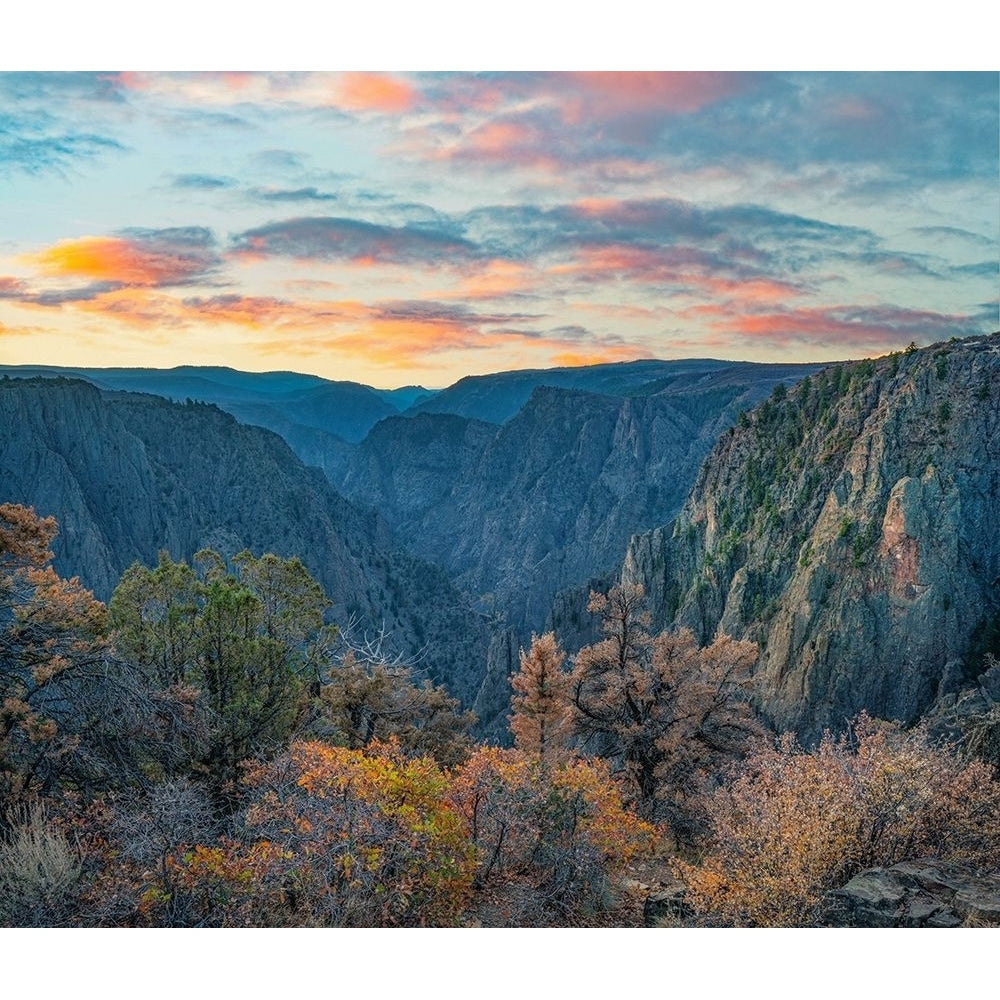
<point>922,893</point>
<point>550,498</point>
<point>849,526</point>
<point>126,475</point>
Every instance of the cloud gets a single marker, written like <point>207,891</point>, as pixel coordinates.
<point>678,269</point>
<point>71,295</point>
<point>751,230</point>
<point>12,288</point>
<point>610,95</point>
<point>374,92</point>
<point>904,129</point>
<point>954,232</point>
<point>444,314</point>
<point>201,182</point>
<point>913,127</point>
<point>20,331</point>
<point>577,96</point>
<point>387,334</point>
<point>137,257</point>
<point>498,279</point>
<point>862,328</point>
<point>404,336</point>
<point>35,144</point>
<point>344,93</point>
<point>354,241</point>
<point>54,86</point>
<point>292,194</point>
<point>280,160</point>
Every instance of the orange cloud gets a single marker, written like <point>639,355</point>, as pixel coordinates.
<point>384,335</point>
<point>596,207</point>
<point>19,331</point>
<point>121,261</point>
<point>499,279</point>
<point>416,343</point>
<point>134,307</point>
<point>495,139</point>
<point>140,308</point>
<point>374,92</point>
<point>511,142</point>
<point>601,356</point>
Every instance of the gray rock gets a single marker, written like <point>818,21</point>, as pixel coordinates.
<point>920,893</point>
<point>665,904</point>
<point>849,529</point>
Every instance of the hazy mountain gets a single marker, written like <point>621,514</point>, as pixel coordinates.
<point>286,402</point>
<point>517,512</point>
<point>127,475</point>
<point>496,398</point>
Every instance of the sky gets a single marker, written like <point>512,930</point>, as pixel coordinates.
<point>412,227</point>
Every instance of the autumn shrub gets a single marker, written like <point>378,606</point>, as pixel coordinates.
<point>69,712</point>
<point>40,872</point>
<point>358,838</point>
<point>363,700</point>
<point>549,841</point>
<point>793,824</point>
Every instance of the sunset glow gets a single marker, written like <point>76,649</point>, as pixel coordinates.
<point>372,225</point>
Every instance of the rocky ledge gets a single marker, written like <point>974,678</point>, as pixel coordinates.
<point>921,893</point>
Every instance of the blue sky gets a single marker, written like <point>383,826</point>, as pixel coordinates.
<point>398,227</point>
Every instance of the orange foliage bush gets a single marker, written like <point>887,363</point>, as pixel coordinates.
<point>548,840</point>
<point>366,838</point>
<point>540,721</point>
<point>668,713</point>
<point>52,665</point>
<point>794,824</point>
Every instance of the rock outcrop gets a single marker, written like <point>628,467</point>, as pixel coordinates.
<point>849,527</point>
<point>921,893</point>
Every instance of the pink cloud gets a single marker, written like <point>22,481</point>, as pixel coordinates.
<point>611,94</point>
<point>685,268</point>
<point>838,327</point>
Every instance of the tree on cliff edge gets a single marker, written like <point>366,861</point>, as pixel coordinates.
<point>666,711</point>
<point>540,721</point>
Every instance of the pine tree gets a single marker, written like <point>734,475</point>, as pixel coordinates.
<point>540,722</point>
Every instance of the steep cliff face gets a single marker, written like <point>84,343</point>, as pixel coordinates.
<point>849,528</point>
<point>127,475</point>
<point>517,512</point>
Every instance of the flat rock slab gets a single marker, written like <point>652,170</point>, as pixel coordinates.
<point>921,893</point>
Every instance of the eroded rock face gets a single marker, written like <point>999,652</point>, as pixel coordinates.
<point>126,475</point>
<point>921,893</point>
<point>550,498</point>
<point>850,529</point>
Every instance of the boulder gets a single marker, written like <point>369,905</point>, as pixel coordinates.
<point>920,893</point>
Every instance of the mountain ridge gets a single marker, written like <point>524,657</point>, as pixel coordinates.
<point>845,526</point>
<point>128,474</point>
